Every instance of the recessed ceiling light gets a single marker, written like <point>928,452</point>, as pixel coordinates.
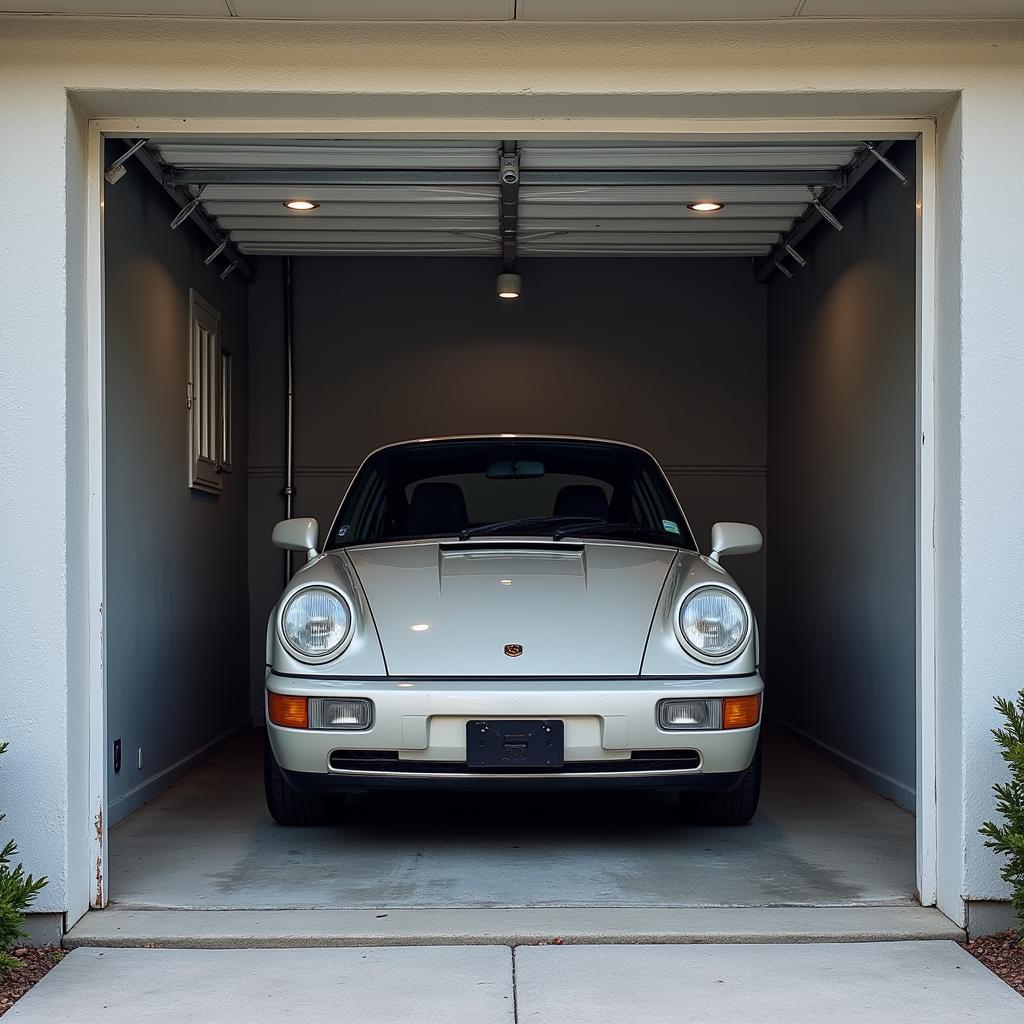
<point>300,204</point>
<point>705,206</point>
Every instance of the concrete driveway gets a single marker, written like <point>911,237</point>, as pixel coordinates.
<point>909,982</point>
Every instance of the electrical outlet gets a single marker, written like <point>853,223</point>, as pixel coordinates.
<point>140,758</point>
<point>117,755</point>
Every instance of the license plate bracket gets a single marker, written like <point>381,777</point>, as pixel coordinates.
<point>512,744</point>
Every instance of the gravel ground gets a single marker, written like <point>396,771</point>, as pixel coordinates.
<point>1002,954</point>
<point>37,962</point>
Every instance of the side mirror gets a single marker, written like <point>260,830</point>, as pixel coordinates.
<point>298,535</point>
<point>734,539</point>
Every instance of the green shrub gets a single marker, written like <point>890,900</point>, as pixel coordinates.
<point>1007,838</point>
<point>17,891</point>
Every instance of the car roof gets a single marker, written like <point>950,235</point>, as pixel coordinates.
<point>557,438</point>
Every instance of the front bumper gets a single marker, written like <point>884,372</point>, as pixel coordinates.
<point>420,726</point>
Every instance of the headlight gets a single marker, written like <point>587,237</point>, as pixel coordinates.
<point>713,622</point>
<point>316,622</point>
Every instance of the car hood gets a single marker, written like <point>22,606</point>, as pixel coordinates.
<point>452,609</point>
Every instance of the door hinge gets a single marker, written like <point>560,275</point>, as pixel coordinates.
<point>188,395</point>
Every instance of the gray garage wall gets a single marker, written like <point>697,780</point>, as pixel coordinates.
<point>841,487</point>
<point>669,354</point>
<point>177,617</point>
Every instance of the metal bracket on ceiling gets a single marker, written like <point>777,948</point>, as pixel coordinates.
<point>822,202</point>
<point>508,215</point>
<point>824,212</point>
<point>188,202</point>
<point>186,211</point>
<point>800,261</point>
<point>216,252</point>
<point>888,164</point>
<point>117,170</point>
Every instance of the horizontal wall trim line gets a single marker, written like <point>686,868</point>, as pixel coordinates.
<point>671,469</point>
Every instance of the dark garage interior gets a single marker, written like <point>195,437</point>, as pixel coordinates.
<point>775,389</point>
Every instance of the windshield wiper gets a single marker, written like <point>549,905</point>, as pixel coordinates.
<point>526,522</point>
<point>603,527</point>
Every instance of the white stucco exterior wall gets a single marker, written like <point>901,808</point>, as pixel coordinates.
<point>34,561</point>
<point>991,434</point>
<point>56,72</point>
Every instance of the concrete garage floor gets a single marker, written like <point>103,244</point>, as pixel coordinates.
<point>819,839</point>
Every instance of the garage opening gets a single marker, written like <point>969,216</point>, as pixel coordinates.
<point>277,308</point>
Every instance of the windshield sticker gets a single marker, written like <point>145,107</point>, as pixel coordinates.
<point>669,527</point>
<point>342,532</point>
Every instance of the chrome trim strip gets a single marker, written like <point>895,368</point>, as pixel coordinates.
<point>646,773</point>
<point>704,677</point>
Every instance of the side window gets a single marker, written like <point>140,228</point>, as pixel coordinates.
<point>642,508</point>
<point>360,514</point>
<point>208,398</point>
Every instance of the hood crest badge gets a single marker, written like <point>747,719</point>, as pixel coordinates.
<point>513,650</point>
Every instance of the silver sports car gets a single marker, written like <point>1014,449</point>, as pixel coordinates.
<point>511,611</point>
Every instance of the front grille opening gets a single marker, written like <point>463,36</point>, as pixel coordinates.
<point>388,761</point>
<point>363,758</point>
<point>662,760</point>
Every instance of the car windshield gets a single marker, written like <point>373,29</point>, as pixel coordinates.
<point>486,488</point>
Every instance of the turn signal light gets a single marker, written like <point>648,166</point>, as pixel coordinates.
<point>291,712</point>
<point>741,712</point>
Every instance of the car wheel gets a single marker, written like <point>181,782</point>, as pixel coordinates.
<point>289,807</point>
<point>737,807</point>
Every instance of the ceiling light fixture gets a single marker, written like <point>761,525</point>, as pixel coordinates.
<point>510,286</point>
<point>705,206</point>
<point>300,204</point>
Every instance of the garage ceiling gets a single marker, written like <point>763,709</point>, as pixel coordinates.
<point>527,10</point>
<point>441,197</point>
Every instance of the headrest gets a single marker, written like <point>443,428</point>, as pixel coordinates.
<point>437,508</point>
<point>582,500</point>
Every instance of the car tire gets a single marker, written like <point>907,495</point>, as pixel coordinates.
<point>289,807</point>
<point>724,810</point>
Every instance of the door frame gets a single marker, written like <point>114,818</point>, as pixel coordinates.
<point>95,846</point>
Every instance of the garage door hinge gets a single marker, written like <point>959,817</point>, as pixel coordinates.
<point>188,395</point>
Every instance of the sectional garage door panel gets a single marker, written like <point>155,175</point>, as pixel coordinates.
<point>444,196</point>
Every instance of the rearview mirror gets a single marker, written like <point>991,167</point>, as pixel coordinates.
<point>514,469</point>
<point>734,539</point>
<point>298,535</point>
